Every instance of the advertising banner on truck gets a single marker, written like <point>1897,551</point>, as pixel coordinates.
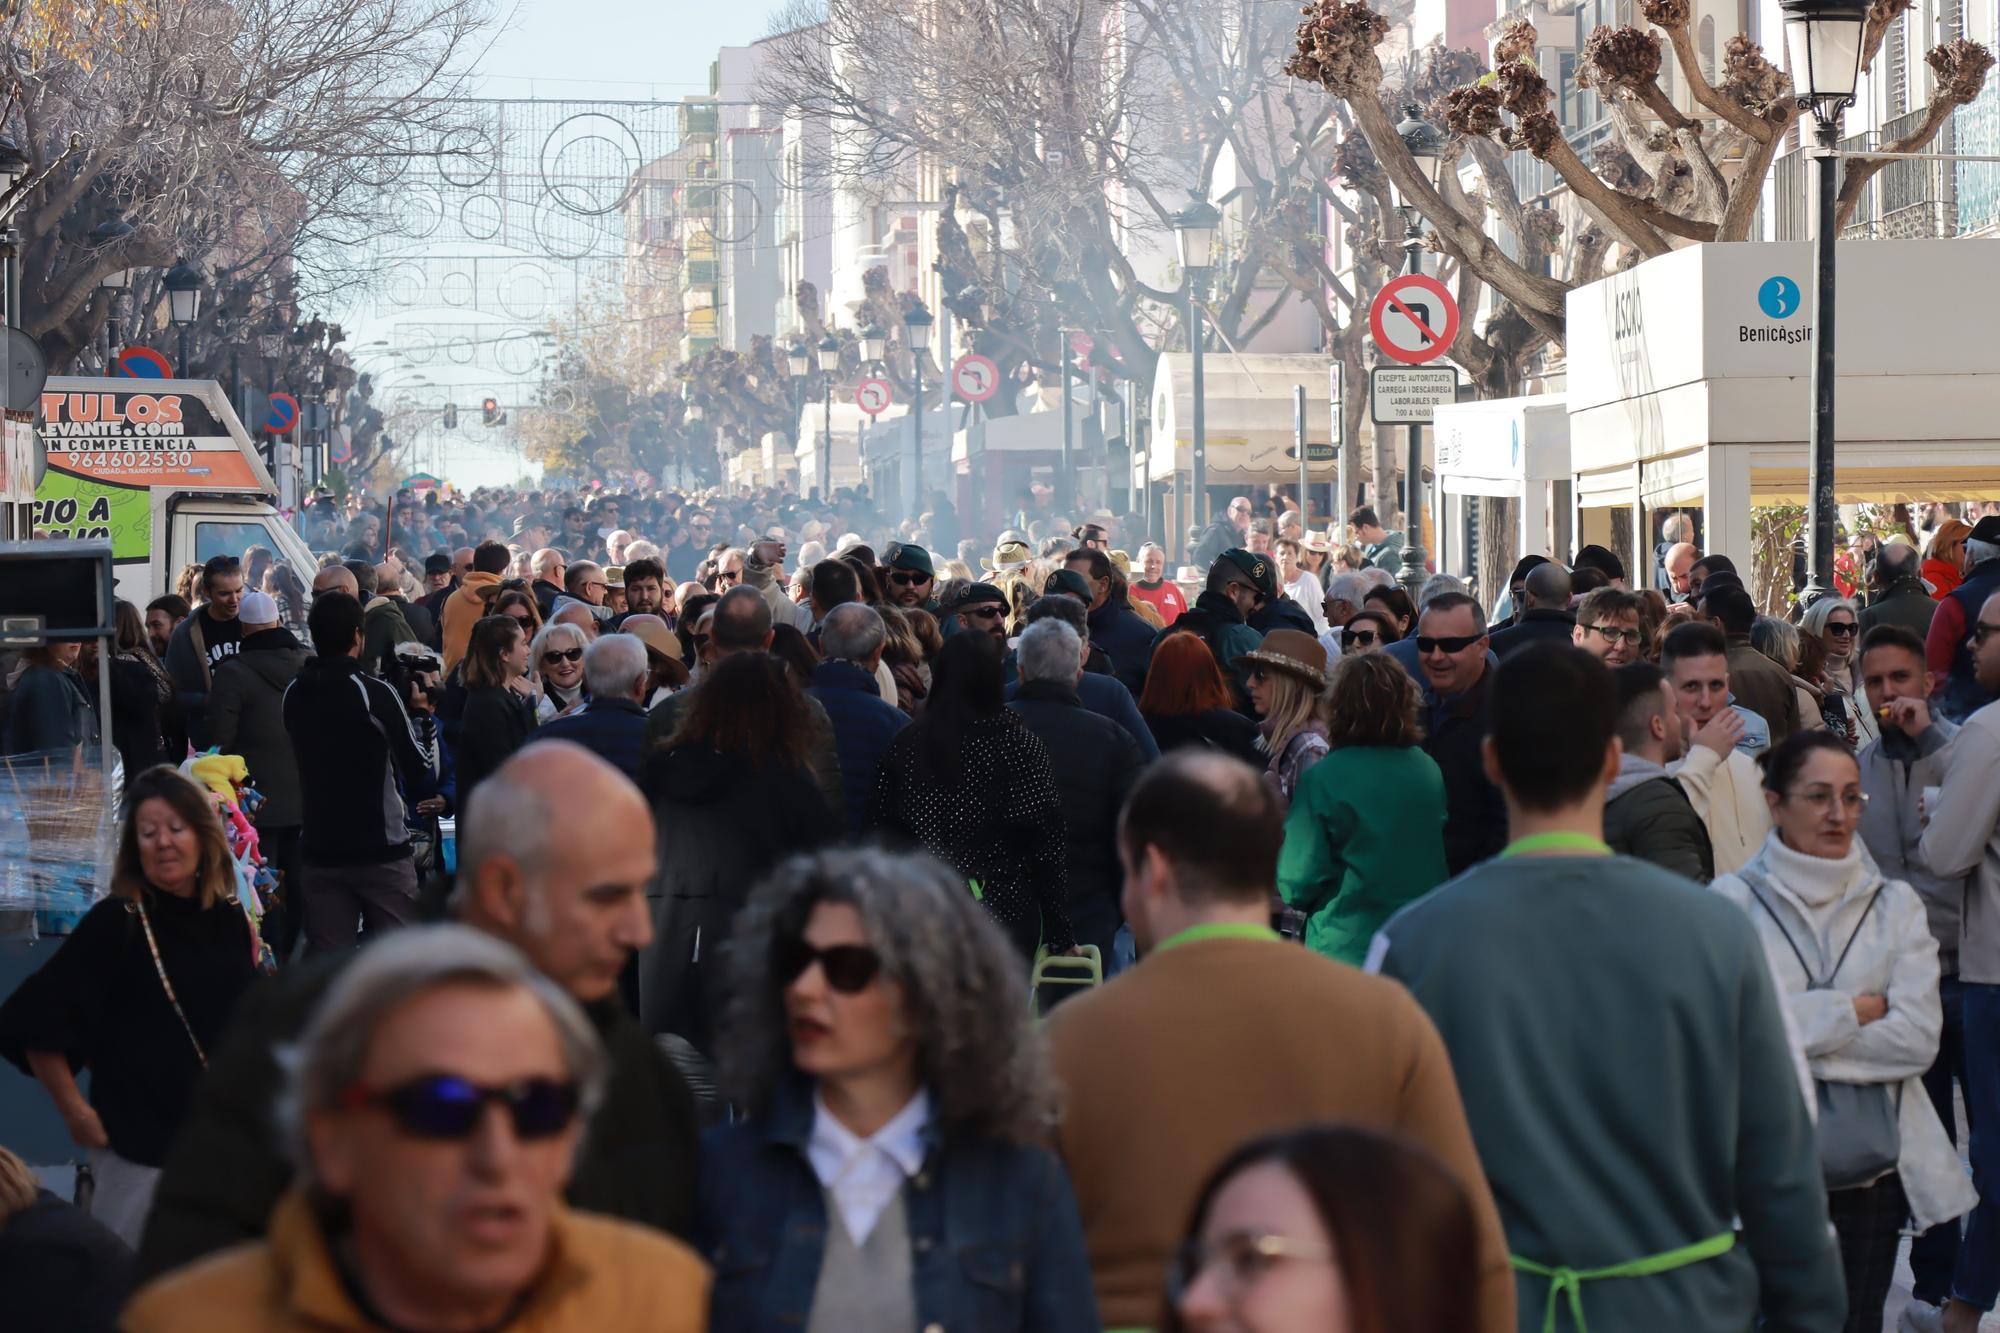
<point>112,442</point>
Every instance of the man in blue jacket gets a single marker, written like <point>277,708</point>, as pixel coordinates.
<point>851,638</point>
<point>612,725</point>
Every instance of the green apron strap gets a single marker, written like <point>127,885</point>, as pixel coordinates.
<point>1567,1283</point>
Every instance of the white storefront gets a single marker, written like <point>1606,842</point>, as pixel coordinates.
<point>1688,384</point>
<point>1511,448</point>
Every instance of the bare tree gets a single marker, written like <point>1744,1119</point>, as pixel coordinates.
<point>1662,186</point>
<point>252,135</point>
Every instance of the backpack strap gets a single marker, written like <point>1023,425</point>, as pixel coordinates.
<point>1758,885</point>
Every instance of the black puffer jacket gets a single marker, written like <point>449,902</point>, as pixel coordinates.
<point>1653,820</point>
<point>246,716</point>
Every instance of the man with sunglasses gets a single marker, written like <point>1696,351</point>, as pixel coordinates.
<point>1456,662</point>
<point>982,609</point>
<point>201,641</point>
<point>912,577</point>
<point>557,859</point>
<point>435,1103</point>
<point>1239,583</point>
<point>1962,838</point>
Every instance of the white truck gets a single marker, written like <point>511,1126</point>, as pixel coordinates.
<point>164,471</point>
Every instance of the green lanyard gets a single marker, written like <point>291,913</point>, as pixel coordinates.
<point>1218,930</point>
<point>1569,1281</point>
<point>1549,842</point>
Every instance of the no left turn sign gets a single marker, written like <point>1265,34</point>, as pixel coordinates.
<point>975,378</point>
<point>1414,319</point>
<point>874,396</point>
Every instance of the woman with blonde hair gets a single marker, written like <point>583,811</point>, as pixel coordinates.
<point>1287,676</point>
<point>139,994</point>
<point>556,659</point>
<point>1366,828</point>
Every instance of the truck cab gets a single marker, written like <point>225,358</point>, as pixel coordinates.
<point>164,471</point>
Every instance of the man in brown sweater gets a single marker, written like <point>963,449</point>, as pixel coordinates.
<point>1224,1031</point>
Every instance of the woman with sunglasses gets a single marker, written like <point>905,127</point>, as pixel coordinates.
<point>139,993</point>
<point>1837,625</point>
<point>889,1173</point>
<point>1364,836</point>
<point>1396,604</point>
<point>1327,1229</point>
<point>556,656</point>
<point>499,701</point>
<point>1367,632</point>
<point>1853,956</point>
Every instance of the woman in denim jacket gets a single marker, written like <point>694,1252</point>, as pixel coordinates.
<point>889,1175</point>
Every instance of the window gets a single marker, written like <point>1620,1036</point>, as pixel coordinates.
<point>213,539</point>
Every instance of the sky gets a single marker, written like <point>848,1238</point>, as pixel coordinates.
<point>641,50</point>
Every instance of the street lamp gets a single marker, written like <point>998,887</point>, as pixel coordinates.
<point>917,337</point>
<point>184,291</point>
<point>798,363</point>
<point>1065,482</point>
<point>1425,145</point>
<point>1824,40</point>
<point>106,234</point>
<point>1194,228</point>
<point>829,366</point>
<point>874,343</point>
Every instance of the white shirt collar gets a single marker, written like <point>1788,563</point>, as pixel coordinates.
<point>864,1175</point>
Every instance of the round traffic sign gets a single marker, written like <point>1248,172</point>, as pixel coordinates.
<point>284,414</point>
<point>1414,319</point>
<point>975,378</point>
<point>143,363</point>
<point>874,396</point>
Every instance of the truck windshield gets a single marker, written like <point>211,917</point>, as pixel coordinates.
<point>213,539</point>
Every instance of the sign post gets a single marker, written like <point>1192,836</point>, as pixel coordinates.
<point>1414,320</point>
<point>873,396</point>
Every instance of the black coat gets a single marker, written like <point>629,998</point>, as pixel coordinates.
<point>1281,612</point>
<point>1127,638</point>
<point>1219,536</point>
<point>1541,625</point>
<point>228,1166</point>
<point>62,1269</point>
<point>612,729</point>
<point>723,826</point>
<point>1475,825</point>
<point>496,723</point>
<point>1654,821</point>
<point>246,716</point>
<point>1095,765</point>
<point>1221,729</point>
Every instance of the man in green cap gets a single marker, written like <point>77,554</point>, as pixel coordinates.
<point>1239,582</point>
<point>912,577</point>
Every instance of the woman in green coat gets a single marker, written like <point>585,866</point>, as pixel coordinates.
<point>1366,831</point>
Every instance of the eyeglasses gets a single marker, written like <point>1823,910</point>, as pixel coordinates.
<point>555,655</point>
<point>903,578</point>
<point>1616,634</point>
<point>848,968</point>
<point>1245,1257</point>
<point>597,587</point>
<point>1365,637</point>
<point>984,612</point>
<point>1457,643</point>
<point>1843,628</point>
<point>1821,800</point>
<point>444,1106</point>
<point>1981,630</point>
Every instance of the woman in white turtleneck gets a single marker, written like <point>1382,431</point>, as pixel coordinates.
<point>1854,959</point>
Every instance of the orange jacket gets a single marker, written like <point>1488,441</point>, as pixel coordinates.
<point>461,610</point>
<point>604,1275</point>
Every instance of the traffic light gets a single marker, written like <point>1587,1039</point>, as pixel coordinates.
<point>451,416</point>
<point>490,411</point>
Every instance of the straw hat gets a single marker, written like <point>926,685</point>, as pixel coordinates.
<point>1317,541</point>
<point>1121,562</point>
<point>653,632</point>
<point>1008,556</point>
<point>1294,652</point>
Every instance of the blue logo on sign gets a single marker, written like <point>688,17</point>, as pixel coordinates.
<point>1778,297</point>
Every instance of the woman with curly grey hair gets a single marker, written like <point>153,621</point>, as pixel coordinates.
<point>889,1174</point>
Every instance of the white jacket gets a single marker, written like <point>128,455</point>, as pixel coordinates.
<point>1820,904</point>
<point>1963,838</point>
<point>1727,791</point>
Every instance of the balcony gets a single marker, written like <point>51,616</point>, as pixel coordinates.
<point>702,272</point>
<point>699,120</point>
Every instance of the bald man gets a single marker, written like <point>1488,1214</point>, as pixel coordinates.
<point>336,578</point>
<point>557,854</point>
<point>1545,614</point>
<point>1679,565</point>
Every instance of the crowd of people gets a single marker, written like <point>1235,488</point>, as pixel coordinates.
<point>1616,955</point>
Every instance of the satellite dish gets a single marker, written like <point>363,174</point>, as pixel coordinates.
<point>27,371</point>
